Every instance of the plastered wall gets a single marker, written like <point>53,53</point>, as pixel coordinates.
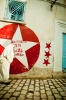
<point>40,23</point>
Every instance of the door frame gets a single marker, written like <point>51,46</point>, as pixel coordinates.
<point>60,27</point>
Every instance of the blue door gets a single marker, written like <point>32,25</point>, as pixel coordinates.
<point>64,52</point>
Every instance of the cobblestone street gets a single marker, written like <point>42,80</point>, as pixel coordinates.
<point>34,89</point>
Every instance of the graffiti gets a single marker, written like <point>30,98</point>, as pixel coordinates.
<point>47,54</point>
<point>17,47</point>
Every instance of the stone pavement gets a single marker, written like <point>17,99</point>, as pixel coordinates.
<point>34,89</point>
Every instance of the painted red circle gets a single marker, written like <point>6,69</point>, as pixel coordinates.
<point>32,54</point>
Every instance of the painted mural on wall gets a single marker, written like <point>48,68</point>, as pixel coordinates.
<point>47,54</point>
<point>29,51</point>
<point>45,59</point>
<point>27,46</point>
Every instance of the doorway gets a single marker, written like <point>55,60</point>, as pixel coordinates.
<point>59,46</point>
<point>64,51</point>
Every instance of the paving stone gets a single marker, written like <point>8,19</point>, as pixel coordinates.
<point>23,92</point>
<point>29,99</point>
<point>42,91</point>
<point>46,85</point>
<point>56,80</point>
<point>36,93</point>
<point>6,88</point>
<point>52,87</point>
<point>7,95</point>
<point>49,92</point>
<point>1,88</point>
<point>42,87</point>
<point>63,94</point>
<point>57,96</point>
<point>11,90</point>
<point>31,86</point>
<point>28,80</point>
<point>12,98</point>
<point>59,89</point>
<point>18,81</point>
<point>16,93</point>
<point>54,91</point>
<point>10,85</point>
<point>50,98</point>
<point>25,87</point>
<point>37,85</point>
<point>1,95</point>
<point>50,84</point>
<point>2,85</point>
<point>31,89</point>
<point>21,97</point>
<point>36,88</point>
<point>64,98</point>
<point>18,88</point>
<point>64,88</point>
<point>29,95</point>
<point>61,84</point>
<point>15,86</point>
<point>43,96</point>
<point>45,80</point>
<point>47,88</point>
<point>37,80</point>
<point>49,81</point>
<point>54,83</point>
<point>22,82</point>
<point>20,85</point>
<point>14,81</point>
<point>57,86</point>
<point>26,84</point>
<point>32,82</point>
<point>36,98</point>
<point>2,92</point>
<point>41,82</point>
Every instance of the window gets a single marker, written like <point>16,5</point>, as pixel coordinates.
<point>15,10</point>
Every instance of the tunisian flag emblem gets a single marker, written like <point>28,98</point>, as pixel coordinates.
<point>27,46</point>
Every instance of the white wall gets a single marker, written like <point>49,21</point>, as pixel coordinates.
<point>39,17</point>
<point>41,20</point>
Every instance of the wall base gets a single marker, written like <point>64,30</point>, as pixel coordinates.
<point>59,75</point>
<point>35,73</point>
<point>39,73</point>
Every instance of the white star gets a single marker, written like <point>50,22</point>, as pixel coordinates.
<point>20,48</point>
<point>4,42</point>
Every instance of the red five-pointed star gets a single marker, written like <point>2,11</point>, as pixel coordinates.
<point>48,45</point>
<point>46,62</point>
<point>47,54</point>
